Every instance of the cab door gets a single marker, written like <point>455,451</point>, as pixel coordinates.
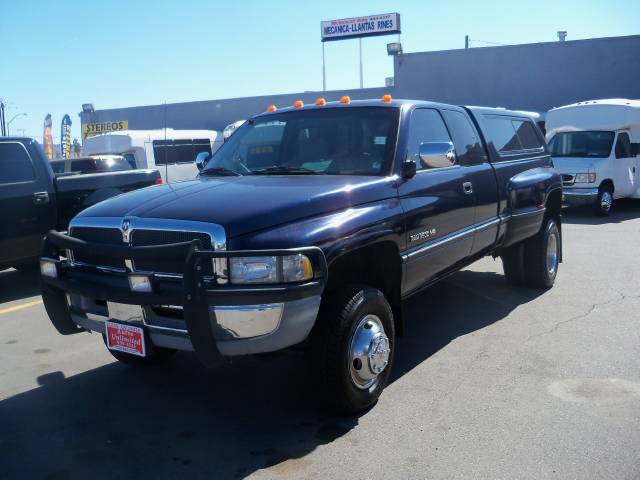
<point>624,167</point>
<point>439,206</point>
<point>27,203</point>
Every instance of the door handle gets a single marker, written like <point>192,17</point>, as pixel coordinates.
<point>40,198</point>
<point>467,187</point>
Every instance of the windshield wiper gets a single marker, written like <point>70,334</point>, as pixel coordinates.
<point>219,171</point>
<point>275,170</point>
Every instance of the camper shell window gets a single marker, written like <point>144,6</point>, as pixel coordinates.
<point>172,152</point>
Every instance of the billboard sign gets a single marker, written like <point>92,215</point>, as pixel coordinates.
<point>65,137</point>
<point>91,129</point>
<point>359,27</point>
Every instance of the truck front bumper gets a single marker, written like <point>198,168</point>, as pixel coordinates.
<point>189,312</point>
<point>579,196</point>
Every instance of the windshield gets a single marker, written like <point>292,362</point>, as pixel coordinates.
<point>582,144</point>
<point>331,141</point>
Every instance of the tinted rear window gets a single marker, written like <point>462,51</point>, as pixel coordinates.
<point>501,132</point>
<point>15,164</point>
<point>527,134</point>
<point>511,134</point>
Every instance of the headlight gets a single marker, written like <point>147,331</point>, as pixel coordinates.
<point>585,177</point>
<point>254,269</point>
<point>270,269</point>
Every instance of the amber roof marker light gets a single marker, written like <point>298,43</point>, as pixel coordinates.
<point>298,104</point>
<point>386,98</point>
<point>272,108</point>
<point>320,102</point>
<point>345,99</point>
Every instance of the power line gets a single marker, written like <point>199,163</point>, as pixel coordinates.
<point>488,42</point>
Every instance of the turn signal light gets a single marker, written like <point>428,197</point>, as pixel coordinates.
<point>321,102</point>
<point>298,104</point>
<point>140,284</point>
<point>386,98</point>
<point>272,108</point>
<point>48,269</point>
<point>345,99</point>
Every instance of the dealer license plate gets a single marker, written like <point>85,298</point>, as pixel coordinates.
<point>125,338</point>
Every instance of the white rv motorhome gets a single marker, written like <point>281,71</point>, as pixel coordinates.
<point>594,145</point>
<point>172,152</point>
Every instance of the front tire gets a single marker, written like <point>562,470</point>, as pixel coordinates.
<point>604,204</point>
<point>352,348</point>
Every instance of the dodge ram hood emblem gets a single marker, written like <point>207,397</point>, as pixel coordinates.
<point>126,230</point>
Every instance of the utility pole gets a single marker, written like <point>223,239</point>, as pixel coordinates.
<point>324,71</point>
<point>466,41</point>
<point>3,130</point>
<point>360,48</point>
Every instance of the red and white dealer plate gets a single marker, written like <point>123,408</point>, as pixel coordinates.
<point>125,338</point>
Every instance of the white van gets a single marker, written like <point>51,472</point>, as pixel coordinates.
<point>172,152</point>
<point>594,145</point>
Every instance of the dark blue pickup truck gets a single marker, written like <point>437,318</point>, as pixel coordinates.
<point>310,225</point>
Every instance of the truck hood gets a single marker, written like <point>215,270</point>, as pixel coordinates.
<point>249,203</point>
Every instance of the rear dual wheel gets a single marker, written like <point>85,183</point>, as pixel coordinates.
<point>534,262</point>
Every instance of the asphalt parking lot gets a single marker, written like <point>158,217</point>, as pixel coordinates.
<point>489,382</point>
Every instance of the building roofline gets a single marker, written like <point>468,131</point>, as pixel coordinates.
<point>516,45</point>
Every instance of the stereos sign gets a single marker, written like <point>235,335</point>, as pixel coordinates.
<point>368,26</point>
<point>91,129</point>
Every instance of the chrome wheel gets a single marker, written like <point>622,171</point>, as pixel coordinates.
<point>369,351</point>
<point>552,253</point>
<point>606,200</point>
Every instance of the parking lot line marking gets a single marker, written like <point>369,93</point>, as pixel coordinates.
<point>20,307</point>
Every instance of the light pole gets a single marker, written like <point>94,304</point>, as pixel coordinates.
<point>12,119</point>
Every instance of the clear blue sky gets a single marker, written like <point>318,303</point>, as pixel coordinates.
<point>57,55</point>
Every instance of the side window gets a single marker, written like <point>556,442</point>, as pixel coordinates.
<point>501,131</point>
<point>623,146</point>
<point>527,134</point>
<point>468,148</point>
<point>15,164</point>
<point>426,126</point>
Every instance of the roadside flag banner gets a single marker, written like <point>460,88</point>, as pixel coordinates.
<point>47,139</point>
<point>65,137</point>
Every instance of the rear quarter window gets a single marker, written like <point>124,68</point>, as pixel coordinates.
<point>510,135</point>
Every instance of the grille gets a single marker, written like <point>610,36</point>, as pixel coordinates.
<point>109,236</point>
<point>567,179</point>
<point>139,238</point>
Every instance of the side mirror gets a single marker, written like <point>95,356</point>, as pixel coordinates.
<point>201,159</point>
<point>408,169</point>
<point>437,154</point>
